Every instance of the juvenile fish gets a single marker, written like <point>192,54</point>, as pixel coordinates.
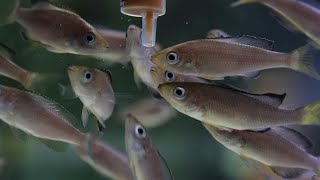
<point>217,58</point>
<point>62,31</point>
<point>145,161</point>
<point>300,15</point>
<point>37,116</point>
<point>106,160</point>
<point>230,108</point>
<point>272,147</point>
<point>150,112</point>
<point>140,57</point>
<point>161,76</point>
<point>94,88</point>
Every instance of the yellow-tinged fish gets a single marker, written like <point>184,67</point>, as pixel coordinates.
<point>217,58</point>
<point>150,112</point>
<point>230,108</point>
<point>107,160</point>
<point>117,46</point>
<point>145,161</point>
<point>283,149</point>
<point>37,116</point>
<point>140,57</point>
<point>217,33</point>
<point>302,16</point>
<point>28,79</point>
<point>94,88</point>
<point>161,76</point>
<point>62,31</point>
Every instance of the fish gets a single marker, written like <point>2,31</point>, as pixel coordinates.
<point>283,149</point>
<point>226,107</point>
<point>30,80</point>
<point>38,116</point>
<point>300,15</point>
<point>161,76</point>
<point>217,33</point>
<point>216,58</point>
<point>94,89</point>
<point>150,112</point>
<point>117,45</point>
<point>140,57</point>
<point>59,30</point>
<point>145,160</point>
<point>106,160</point>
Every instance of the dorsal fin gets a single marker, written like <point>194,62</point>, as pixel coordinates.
<point>294,137</point>
<point>288,173</point>
<point>108,74</point>
<point>6,52</point>
<point>248,40</point>
<point>47,5</point>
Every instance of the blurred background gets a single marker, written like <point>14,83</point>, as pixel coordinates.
<point>188,148</point>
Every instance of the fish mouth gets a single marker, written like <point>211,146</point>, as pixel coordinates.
<point>153,70</point>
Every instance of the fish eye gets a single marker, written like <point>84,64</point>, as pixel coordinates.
<point>179,93</point>
<point>140,132</point>
<point>170,76</point>
<point>89,38</point>
<point>172,58</point>
<point>87,77</point>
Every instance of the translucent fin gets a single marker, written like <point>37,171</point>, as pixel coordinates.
<point>41,81</point>
<point>311,114</point>
<point>166,167</point>
<point>66,92</point>
<point>250,41</point>
<point>253,75</point>
<point>295,137</point>
<point>9,11</point>
<point>271,99</point>
<point>288,173</point>
<point>55,50</point>
<point>6,52</point>
<point>137,80</point>
<point>55,145</point>
<point>84,116</point>
<point>19,134</point>
<point>284,22</point>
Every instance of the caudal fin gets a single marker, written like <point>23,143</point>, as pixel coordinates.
<point>241,2</point>
<point>40,81</point>
<point>303,60</point>
<point>10,12</point>
<point>311,114</point>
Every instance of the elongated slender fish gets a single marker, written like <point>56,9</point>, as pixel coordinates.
<point>11,70</point>
<point>301,15</point>
<point>161,76</point>
<point>37,116</point>
<point>150,112</point>
<point>117,46</point>
<point>93,87</point>
<point>217,33</point>
<point>145,161</point>
<point>217,58</point>
<point>106,160</point>
<point>229,108</point>
<point>279,148</point>
<point>140,57</point>
<point>62,31</point>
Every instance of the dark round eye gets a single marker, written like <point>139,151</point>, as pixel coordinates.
<point>179,93</point>
<point>89,38</point>
<point>140,132</point>
<point>172,58</point>
<point>87,77</point>
<point>170,76</point>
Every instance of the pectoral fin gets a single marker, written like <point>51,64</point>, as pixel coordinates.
<point>84,116</point>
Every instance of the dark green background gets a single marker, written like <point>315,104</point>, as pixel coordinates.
<point>188,148</point>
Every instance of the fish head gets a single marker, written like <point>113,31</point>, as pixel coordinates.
<point>89,82</point>
<point>175,59</point>
<point>160,75</point>
<point>136,137</point>
<point>133,41</point>
<point>88,41</point>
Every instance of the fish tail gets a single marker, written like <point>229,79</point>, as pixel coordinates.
<point>303,60</point>
<point>241,2</point>
<point>311,114</point>
<point>13,14</point>
<point>37,81</point>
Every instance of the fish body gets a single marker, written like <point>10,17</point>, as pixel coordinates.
<point>227,107</point>
<point>145,161</point>
<point>217,58</point>
<point>37,116</point>
<point>267,147</point>
<point>140,56</point>
<point>106,160</point>
<point>301,15</point>
<point>94,88</point>
<point>62,31</point>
